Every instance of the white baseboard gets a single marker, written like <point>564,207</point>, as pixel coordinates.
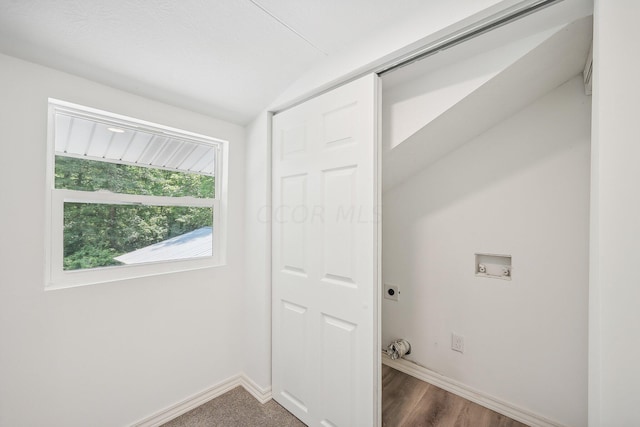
<point>462,390</point>
<point>262,395</point>
<point>174,411</point>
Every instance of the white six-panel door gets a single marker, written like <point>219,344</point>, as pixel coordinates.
<point>325,257</point>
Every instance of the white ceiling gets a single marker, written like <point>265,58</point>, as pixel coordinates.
<point>226,58</point>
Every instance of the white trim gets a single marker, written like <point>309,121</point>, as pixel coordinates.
<point>377,155</point>
<point>107,197</point>
<point>119,120</point>
<point>174,411</point>
<point>55,276</point>
<point>490,402</point>
<point>263,395</point>
<point>476,29</point>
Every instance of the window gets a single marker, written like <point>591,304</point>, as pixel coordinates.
<point>129,198</point>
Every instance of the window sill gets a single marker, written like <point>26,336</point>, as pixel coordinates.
<point>72,279</point>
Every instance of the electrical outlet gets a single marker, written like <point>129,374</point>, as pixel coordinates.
<point>391,292</point>
<point>457,342</point>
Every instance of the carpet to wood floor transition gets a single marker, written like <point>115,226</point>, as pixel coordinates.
<point>406,402</point>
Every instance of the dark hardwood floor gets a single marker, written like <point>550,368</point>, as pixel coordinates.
<point>409,402</point>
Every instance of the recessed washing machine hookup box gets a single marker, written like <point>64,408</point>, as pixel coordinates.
<point>493,266</point>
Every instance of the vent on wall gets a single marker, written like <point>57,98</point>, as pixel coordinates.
<point>587,74</point>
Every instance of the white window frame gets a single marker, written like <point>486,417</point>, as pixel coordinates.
<point>56,276</point>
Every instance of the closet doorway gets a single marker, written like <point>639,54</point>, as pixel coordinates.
<point>485,213</point>
<point>482,175</point>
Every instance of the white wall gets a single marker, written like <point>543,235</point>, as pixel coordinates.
<point>615,227</point>
<point>388,43</point>
<point>108,354</point>
<point>521,188</point>
<point>257,282</point>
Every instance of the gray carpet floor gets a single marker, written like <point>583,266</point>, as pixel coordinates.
<point>236,408</point>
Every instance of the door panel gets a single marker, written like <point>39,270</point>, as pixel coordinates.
<point>338,368</point>
<point>339,191</point>
<point>294,322</point>
<point>292,250</point>
<point>326,259</point>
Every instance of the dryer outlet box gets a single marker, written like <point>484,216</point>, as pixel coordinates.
<point>391,292</point>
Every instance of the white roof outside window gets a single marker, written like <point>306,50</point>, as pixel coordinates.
<point>112,142</point>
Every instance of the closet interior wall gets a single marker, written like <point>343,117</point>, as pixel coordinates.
<point>486,149</point>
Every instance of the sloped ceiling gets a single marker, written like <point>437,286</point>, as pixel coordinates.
<point>225,58</point>
<point>556,57</point>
